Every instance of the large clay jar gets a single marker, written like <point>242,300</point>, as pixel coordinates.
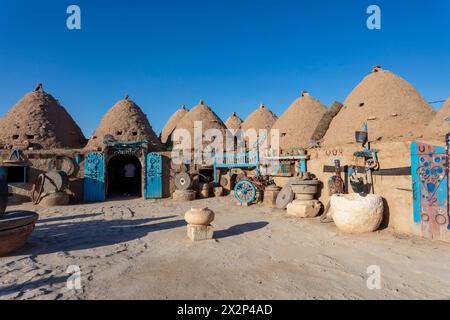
<point>14,239</point>
<point>199,216</point>
<point>3,190</point>
<point>355,213</point>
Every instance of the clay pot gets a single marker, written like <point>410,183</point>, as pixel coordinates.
<point>204,191</point>
<point>355,213</point>
<point>13,239</point>
<point>3,190</point>
<point>218,191</point>
<point>199,216</point>
<point>16,219</point>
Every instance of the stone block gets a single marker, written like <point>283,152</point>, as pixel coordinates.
<point>199,233</point>
<point>304,209</point>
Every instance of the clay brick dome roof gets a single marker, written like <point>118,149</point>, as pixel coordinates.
<point>201,113</point>
<point>440,125</point>
<point>172,123</point>
<point>233,122</point>
<point>39,121</point>
<point>395,110</point>
<point>261,118</point>
<point>298,122</point>
<point>125,121</point>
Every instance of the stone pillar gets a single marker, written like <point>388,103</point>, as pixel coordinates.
<point>270,195</point>
<point>199,233</point>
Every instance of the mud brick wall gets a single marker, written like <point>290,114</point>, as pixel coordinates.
<point>39,160</point>
<point>396,190</point>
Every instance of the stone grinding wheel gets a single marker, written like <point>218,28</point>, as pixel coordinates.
<point>17,219</point>
<point>285,197</point>
<point>56,181</point>
<point>183,181</point>
<point>184,195</point>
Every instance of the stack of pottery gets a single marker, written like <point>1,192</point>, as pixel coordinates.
<point>16,226</point>
<point>199,224</point>
<point>305,205</point>
<point>357,213</point>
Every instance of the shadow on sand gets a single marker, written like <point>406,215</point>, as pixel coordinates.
<point>31,285</point>
<point>240,229</point>
<point>82,235</point>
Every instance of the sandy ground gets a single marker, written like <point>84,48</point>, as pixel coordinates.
<point>138,249</point>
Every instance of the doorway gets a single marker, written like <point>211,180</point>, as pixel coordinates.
<point>124,176</point>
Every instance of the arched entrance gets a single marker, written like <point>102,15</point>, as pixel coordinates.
<point>124,176</point>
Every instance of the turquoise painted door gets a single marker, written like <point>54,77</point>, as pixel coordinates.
<point>153,176</point>
<point>94,177</point>
<point>429,167</point>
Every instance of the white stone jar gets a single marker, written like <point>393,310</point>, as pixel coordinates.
<point>199,216</point>
<point>355,213</point>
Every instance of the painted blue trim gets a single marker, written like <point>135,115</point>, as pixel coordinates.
<point>153,176</point>
<point>252,190</point>
<point>302,166</point>
<point>94,177</point>
<point>415,182</point>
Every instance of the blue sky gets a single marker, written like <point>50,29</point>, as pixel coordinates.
<point>235,54</point>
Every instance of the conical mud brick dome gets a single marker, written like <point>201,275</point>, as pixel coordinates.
<point>172,123</point>
<point>204,116</point>
<point>440,125</point>
<point>299,121</point>
<point>395,110</point>
<point>125,121</point>
<point>39,121</point>
<point>233,122</point>
<point>261,118</point>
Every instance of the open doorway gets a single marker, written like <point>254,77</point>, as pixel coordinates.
<point>124,176</point>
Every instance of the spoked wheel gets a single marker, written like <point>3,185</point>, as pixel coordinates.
<point>245,191</point>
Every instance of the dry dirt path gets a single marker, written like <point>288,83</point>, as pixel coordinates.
<point>137,249</point>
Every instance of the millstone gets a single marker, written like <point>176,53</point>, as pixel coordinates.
<point>183,195</point>
<point>285,197</point>
<point>55,199</point>
<point>57,181</point>
<point>183,181</point>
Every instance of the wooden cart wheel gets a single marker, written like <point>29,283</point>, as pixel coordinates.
<point>245,191</point>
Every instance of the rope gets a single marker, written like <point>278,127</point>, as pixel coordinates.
<point>39,182</point>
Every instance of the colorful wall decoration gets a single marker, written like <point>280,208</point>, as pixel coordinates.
<point>429,166</point>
